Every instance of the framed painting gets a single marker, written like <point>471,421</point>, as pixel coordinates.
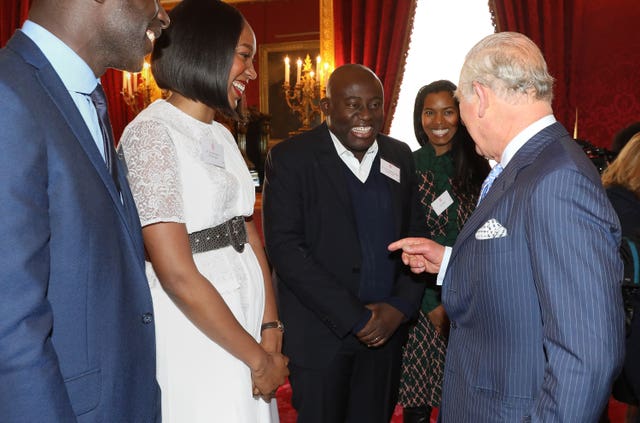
<point>271,73</point>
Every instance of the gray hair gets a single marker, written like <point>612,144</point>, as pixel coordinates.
<point>510,64</point>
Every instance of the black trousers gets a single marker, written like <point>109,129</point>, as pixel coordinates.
<point>359,385</point>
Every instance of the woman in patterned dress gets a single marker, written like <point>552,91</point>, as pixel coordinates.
<point>451,172</point>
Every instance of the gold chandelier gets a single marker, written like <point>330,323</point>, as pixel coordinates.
<point>304,97</point>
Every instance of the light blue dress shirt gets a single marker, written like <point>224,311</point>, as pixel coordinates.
<point>74,72</point>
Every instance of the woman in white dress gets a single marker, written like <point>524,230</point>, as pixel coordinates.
<point>217,329</point>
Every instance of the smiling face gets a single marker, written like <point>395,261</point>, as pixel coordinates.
<point>354,107</point>
<point>440,120</point>
<point>129,30</point>
<point>242,70</point>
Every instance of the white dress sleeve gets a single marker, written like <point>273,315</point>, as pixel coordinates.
<point>154,178</point>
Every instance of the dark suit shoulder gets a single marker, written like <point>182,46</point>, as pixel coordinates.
<point>565,153</point>
<point>18,81</point>
<point>13,69</point>
<point>394,150</point>
<point>393,142</point>
<point>306,143</point>
<point>22,51</point>
<point>551,150</point>
<point>21,97</point>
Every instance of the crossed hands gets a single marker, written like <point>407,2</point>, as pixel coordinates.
<point>269,375</point>
<point>420,254</point>
<point>268,378</point>
<point>384,321</point>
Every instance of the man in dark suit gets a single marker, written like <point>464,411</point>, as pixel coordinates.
<point>76,319</point>
<point>333,196</point>
<point>532,284</point>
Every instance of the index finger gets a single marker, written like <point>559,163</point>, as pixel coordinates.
<point>401,243</point>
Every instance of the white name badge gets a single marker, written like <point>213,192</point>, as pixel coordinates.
<point>214,154</point>
<point>441,203</point>
<point>390,170</point>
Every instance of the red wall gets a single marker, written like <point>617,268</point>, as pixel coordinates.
<point>279,21</point>
<point>606,81</point>
<point>607,92</point>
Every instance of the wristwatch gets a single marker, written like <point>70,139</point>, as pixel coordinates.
<point>276,324</point>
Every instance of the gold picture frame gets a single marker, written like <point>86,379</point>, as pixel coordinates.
<point>271,69</point>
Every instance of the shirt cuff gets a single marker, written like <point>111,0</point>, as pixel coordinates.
<point>443,265</point>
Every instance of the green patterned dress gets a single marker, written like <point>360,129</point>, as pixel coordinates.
<point>424,352</point>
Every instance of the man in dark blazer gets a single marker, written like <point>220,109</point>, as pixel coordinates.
<point>76,319</point>
<point>332,197</point>
<point>532,284</point>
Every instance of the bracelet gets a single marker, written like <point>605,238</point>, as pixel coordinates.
<point>276,324</point>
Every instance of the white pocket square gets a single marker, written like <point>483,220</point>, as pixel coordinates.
<point>490,230</point>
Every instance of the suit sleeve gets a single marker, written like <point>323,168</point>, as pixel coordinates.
<point>574,239</point>
<point>287,246</point>
<point>32,387</point>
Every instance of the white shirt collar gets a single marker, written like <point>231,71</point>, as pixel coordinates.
<point>359,168</point>
<point>75,73</point>
<point>525,135</point>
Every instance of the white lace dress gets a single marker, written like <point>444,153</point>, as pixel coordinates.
<point>183,170</point>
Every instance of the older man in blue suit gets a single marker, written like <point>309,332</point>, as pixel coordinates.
<point>76,319</point>
<point>532,285</point>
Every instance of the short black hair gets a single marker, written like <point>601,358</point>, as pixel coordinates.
<point>194,55</point>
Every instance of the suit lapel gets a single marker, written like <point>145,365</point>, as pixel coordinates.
<point>60,96</point>
<point>523,158</point>
<point>330,163</point>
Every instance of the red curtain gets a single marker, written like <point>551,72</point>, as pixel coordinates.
<point>12,14</point>
<point>593,50</point>
<point>375,33</point>
<point>119,112</point>
<point>552,26</point>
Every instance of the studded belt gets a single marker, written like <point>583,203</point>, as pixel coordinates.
<point>232,232</point>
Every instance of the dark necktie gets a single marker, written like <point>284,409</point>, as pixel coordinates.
<point>100,103</point>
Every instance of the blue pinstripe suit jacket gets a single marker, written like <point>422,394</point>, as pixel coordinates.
<point>536,316</point>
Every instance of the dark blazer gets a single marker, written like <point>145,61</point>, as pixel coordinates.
<point>536,315</point>
<point>627,206</point>
<point>312,241</point>
<point>76,322</point>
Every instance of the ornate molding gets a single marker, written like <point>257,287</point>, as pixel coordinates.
<point>326,32</point>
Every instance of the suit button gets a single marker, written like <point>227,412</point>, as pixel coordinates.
<point>355,269</point>
<point>147,318</point>
<point>453,325</point>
